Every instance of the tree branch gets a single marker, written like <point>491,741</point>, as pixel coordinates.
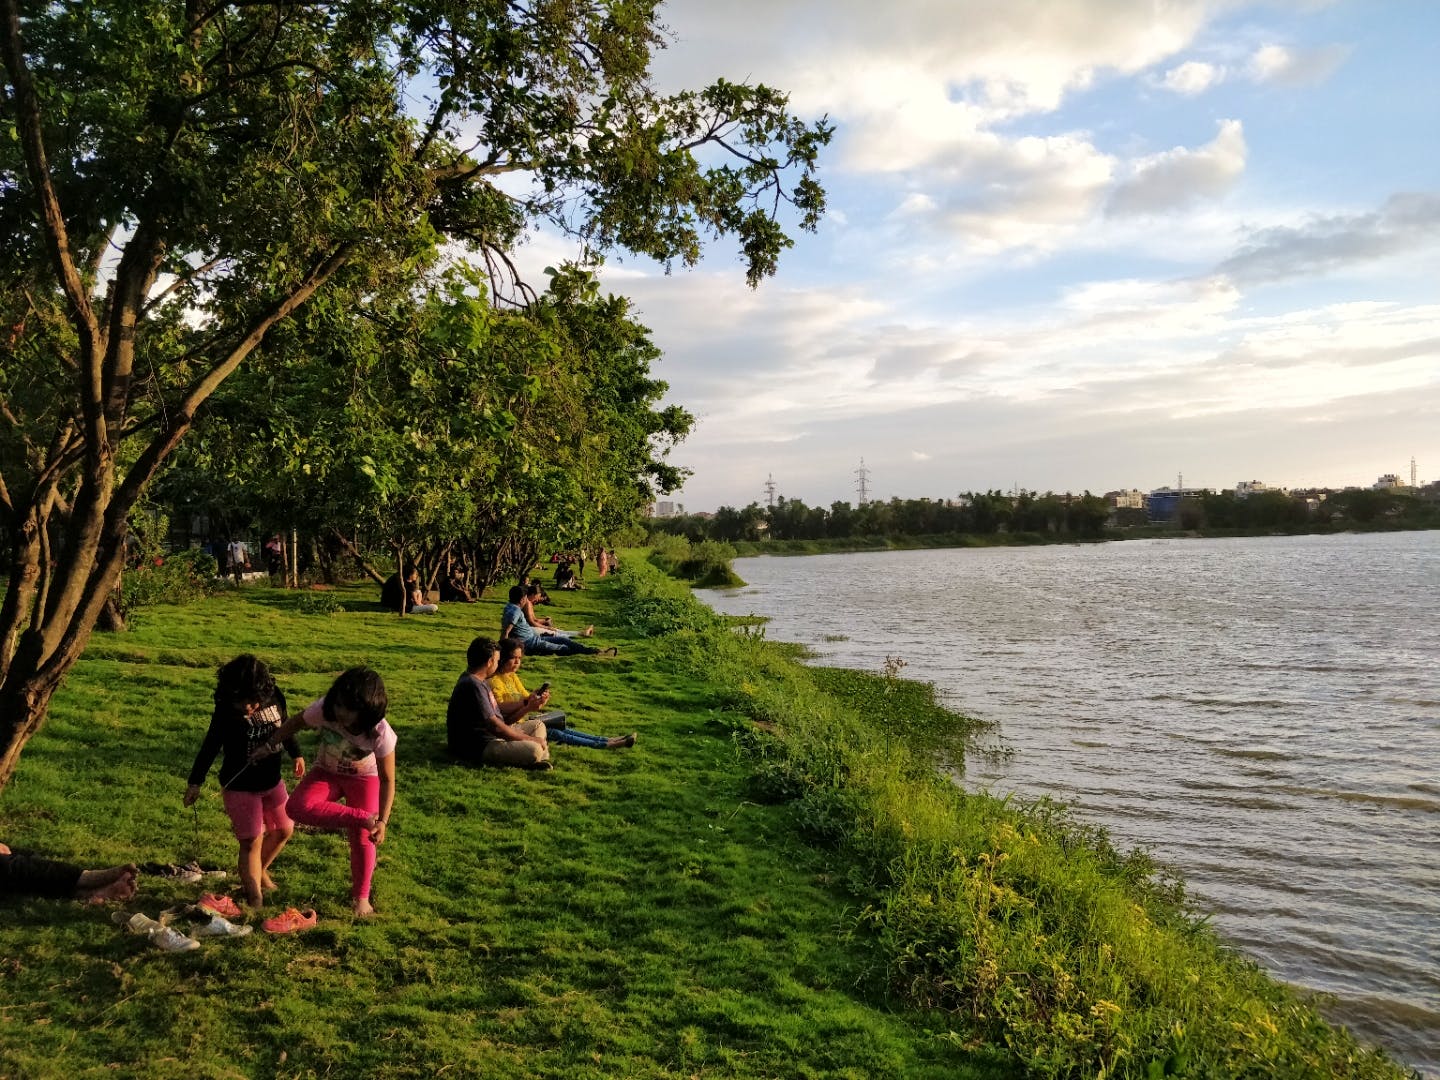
<point>37,165</point>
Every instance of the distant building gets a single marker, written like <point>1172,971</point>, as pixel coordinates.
<point>1245,488</point>
<point>1163,504</point>
<point>1134,499</point>
<point>663,509</point>
<point>1388,482</point>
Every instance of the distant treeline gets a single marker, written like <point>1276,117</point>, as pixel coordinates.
<point>984,514</point>
<point>1350,508</point>
<point>1035,517</point>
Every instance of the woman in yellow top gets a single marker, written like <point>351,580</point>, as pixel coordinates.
<point>515,702</point>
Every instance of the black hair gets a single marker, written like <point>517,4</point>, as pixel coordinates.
<point>534,589</point>
<point>479,653</point>
<point>509,647</point>
<point>517,593</point>
<point>243,680</point>
<point>362,691</point>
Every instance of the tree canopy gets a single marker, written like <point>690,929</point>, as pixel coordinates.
<point>178,179</point>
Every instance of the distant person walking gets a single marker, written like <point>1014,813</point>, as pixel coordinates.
<point>239,555</point>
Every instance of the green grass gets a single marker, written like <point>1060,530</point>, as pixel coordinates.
<point>630,914</point>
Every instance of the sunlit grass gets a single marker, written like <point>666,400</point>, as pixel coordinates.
<point>631,914</point>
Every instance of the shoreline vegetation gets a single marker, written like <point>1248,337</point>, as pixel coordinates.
<point>779,880</point>
<point>851,544</point>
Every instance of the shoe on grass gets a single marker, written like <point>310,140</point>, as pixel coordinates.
<point>289,921</point>
<point>219,926</point>
<point>168,940</point>
<point>216,904</point>
<point>139,923</point>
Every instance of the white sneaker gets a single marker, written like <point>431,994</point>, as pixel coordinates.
<point>139,923</point>
<point>219,926</point>
<point>170,940</point>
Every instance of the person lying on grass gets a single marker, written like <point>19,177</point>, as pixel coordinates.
<point>249,709</point>
<point>355,763</point>
<point>515,703</point>
<point>31,875</point>
<point>475,730</point>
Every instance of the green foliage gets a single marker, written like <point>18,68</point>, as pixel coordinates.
<point>319,603</point>
<point>1028,929</point>
<point>178,181</point>
<point>706,564</point>
<point>181,578</point>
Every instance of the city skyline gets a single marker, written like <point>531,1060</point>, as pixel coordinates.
<point>1097,239</point>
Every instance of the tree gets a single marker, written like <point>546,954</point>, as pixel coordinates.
<point>178,179</point>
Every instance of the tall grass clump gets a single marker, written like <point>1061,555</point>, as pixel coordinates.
<point>705,565</point>
<point>1027,928</point>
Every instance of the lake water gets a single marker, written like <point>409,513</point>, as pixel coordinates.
<point>1261,714</point>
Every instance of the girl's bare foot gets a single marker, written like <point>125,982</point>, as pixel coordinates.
<point>362,907</point>
<point>266,881</point>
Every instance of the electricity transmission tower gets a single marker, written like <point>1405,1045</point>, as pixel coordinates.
<point>770,491</point>
<point>861,487</point>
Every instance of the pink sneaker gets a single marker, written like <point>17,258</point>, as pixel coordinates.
<point>290,920</point>
<point>219,905</point>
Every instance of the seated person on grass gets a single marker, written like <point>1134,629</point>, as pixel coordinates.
<point>474,728</point>
<point>513,623</point>
<point>534,594</point>
<point>516,702</point>
<point>30,875</point>
<point>393,593</point>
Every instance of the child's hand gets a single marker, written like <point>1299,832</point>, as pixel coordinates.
<point>299,767</point>
<point>377,832</point>
<point>4,849</point>
<point>191,794</point>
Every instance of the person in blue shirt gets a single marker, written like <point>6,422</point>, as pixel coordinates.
<point>513,623</point>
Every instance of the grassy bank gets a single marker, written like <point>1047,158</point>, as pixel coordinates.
<point>773,883</point>
<point>630,914</point>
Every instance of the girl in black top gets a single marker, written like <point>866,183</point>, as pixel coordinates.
<point>249,708</point>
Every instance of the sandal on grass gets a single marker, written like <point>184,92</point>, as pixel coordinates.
<point>289,921</point>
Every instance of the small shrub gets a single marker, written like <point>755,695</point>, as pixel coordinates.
<point>179,578</point>
<point>319,603</point>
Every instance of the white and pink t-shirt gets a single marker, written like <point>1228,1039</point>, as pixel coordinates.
<point>343,752</point>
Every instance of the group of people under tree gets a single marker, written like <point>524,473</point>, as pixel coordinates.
<point>491,719</point>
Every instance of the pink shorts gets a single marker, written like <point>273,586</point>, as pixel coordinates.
<point>255,812</point>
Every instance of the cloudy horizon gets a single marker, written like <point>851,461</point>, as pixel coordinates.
<point>1089,245</point>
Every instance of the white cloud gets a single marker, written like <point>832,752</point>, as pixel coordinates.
<point>1296,67</point>
<point>1191,78</point>
<point>1180,177</point>
<point>919,455</point>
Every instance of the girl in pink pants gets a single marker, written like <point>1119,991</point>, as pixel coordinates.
<point>351,786</point>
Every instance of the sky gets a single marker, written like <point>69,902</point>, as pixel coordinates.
<point>1071,245</point>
